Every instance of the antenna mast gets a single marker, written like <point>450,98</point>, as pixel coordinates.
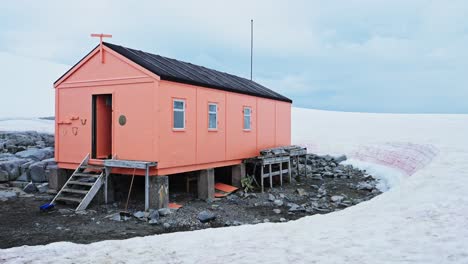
<point>251,48</point>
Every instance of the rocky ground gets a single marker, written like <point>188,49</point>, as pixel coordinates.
<point>328,187</point>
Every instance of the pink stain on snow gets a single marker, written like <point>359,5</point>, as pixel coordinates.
<point>407,157</point>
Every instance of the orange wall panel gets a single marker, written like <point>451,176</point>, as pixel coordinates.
<point>134,140</point>
<point>283,124</point>
<point>176,148</point>
<point>266,134</point>
<point>240,143</point>
<point>211,144</point>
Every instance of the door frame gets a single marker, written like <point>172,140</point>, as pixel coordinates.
<point>94,125</point>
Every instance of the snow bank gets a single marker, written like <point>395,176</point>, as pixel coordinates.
<point>421,220</point>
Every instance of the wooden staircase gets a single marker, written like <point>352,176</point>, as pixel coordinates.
<point>83,185</point>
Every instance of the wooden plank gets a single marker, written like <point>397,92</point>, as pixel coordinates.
<point>81,183</point>
<point>74,191</point>
<point>130,164</point>
<point>266,175</point>
<point>68,199</point>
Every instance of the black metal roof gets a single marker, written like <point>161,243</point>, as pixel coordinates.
<point>184,72</point>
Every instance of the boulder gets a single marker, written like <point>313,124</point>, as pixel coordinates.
<point>278,202</point>
<point>10,166</point>
<point>36,153</point>
<point>164,211</point>
<point>340,158</point>
<point>4,177</point>
<point>277,211</point>
<point>37,171</point>
<point>271,197</point>
<point>337,198</point>
<point>43,187</point>
<point>206,216</point>
<point>30,188</point>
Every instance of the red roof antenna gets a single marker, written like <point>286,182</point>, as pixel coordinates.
<point>100,36</point>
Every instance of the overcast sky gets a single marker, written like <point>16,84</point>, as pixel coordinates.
<point>372,56</point>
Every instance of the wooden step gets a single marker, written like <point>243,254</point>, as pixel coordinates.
<point>69,199</point>
<point>81,183</point>
<point>92,167</point>
<point>68,190</point>
<point>81,174</point>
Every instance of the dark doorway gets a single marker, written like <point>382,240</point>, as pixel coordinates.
<point>102,127</point>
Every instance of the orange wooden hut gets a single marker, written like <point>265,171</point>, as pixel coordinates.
<point>125,104</point>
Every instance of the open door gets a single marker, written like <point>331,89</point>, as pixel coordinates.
<point>102,126</point>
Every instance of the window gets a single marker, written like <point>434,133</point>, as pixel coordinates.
<point>179,114</point>
<point>247,115</point>
<point>212,116</point>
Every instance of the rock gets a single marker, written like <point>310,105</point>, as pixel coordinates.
<point>316,176</point>
<point>154,215</point>
<point>301,192</point>
<point>232,197</point>
<point>237,223</point>
<point>365,186</point>
<point>30,188</point>
<point>153,222</point>
<point>283,220</point>
<point>38,172</point>
<point>250,195</point>
<point>206,216</point>
<point>277,211</point>
<point>10,168</point>
<point>337,198</point>
<point>8,194</point>
<point>295,208</point>
<point>164,211</point>
<point>43,187</point>
<point>278,202</point>
<point>116,217</point>
<point>4,177</point>
<point>266,220</point>
<point>340,158</point>
<point>36,154</point>
<point>282,196</point>
<point>140,215</point>
<point>167,225</point>
<point>271,197</point>
<point>328,174</point>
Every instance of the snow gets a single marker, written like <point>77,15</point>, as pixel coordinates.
<point>27,124</point>
<point>422,218</point>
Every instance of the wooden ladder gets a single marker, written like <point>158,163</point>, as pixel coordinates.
<point>83,185</point>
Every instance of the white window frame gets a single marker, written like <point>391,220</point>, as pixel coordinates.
<point>178,110</point>
<point>244,115</point>
<point>216,116</point>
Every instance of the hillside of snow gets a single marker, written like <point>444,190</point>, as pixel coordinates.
<point>422,218</point>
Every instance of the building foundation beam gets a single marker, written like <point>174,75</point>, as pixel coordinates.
<point>158,192</point>
<point>206,184</point>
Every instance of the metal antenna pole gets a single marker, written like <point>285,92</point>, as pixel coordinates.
<point>251,48</point>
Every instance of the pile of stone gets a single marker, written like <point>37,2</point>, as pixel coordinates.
<point>26,157</point>
<point>319,167</point>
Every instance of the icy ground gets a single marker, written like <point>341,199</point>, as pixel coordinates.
<point>422,218</point>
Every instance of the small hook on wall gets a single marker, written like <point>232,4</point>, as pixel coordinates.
<point>83,121</point>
